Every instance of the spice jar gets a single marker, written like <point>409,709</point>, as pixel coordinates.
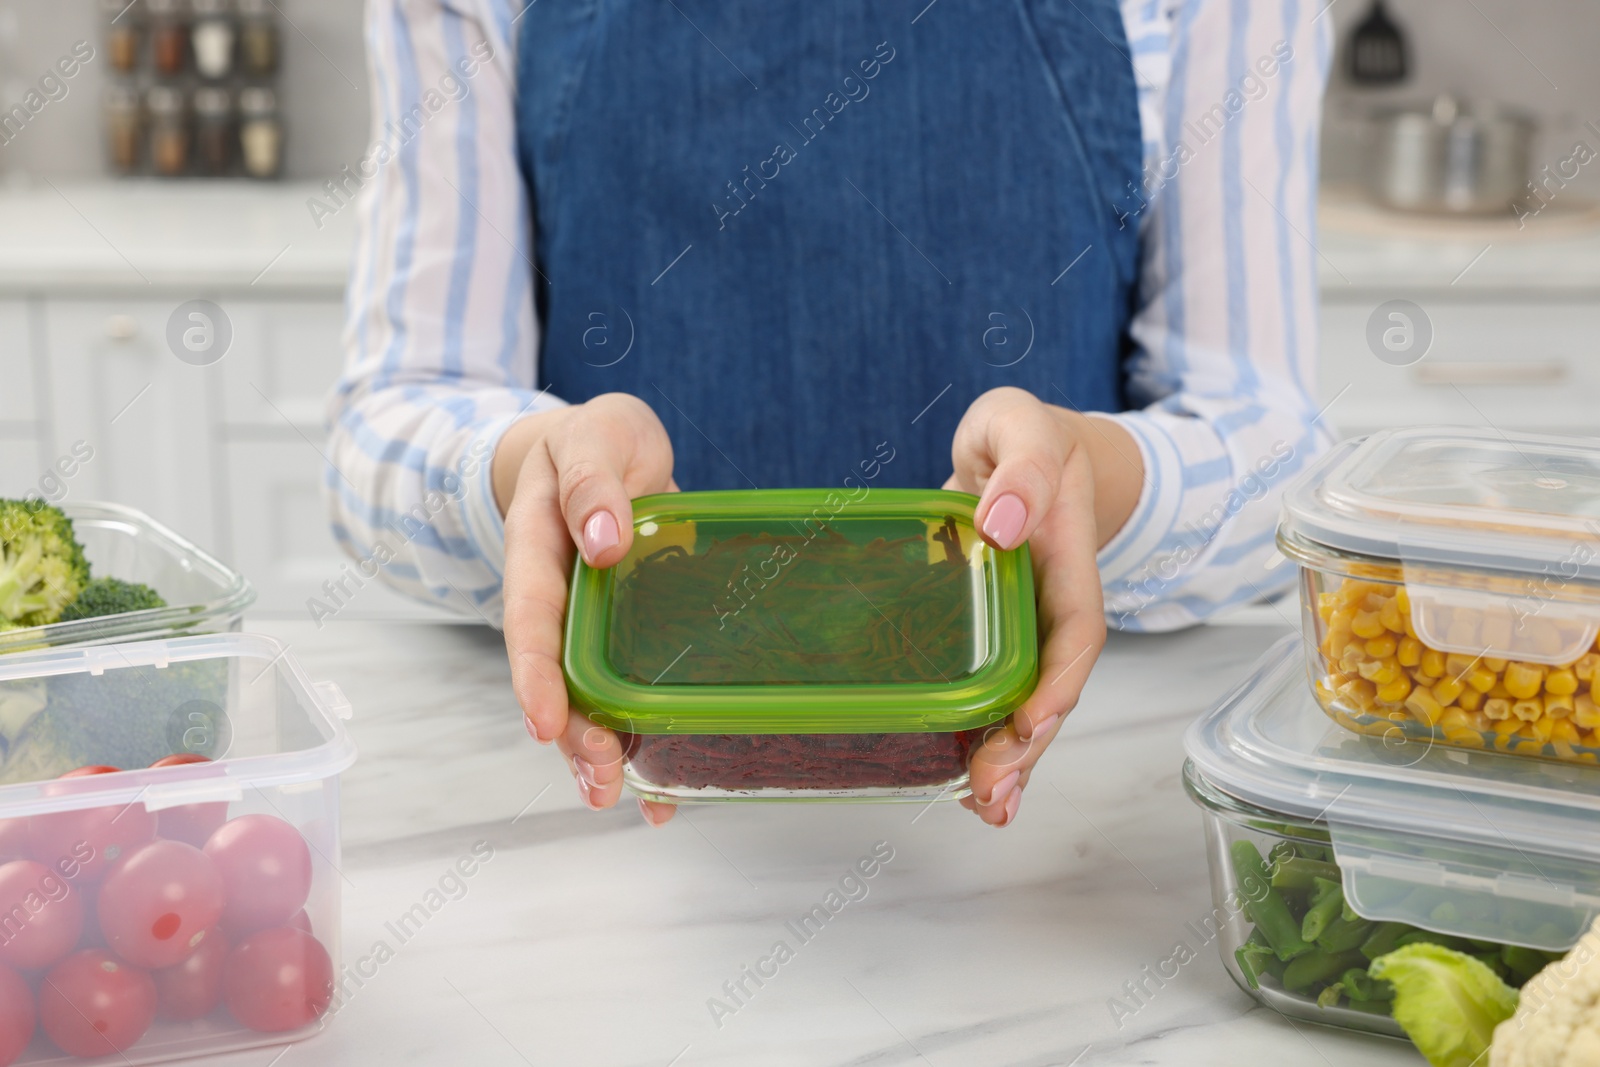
<point>123,31</point>
<point>169,36</point>
<point>258,37</point>
<point>213,38</point>
<point>260,132</point>
<point>169,130</point>
<point>802,644</point>
<point>213,130</point>
<point>122,128</point>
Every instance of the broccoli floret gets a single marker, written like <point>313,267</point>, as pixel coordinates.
<point>111,596</point>
<point>42,568</point>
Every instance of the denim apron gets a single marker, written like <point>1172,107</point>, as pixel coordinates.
<point>810,234</point>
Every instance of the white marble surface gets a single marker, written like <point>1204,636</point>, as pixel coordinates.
<point>592,939</point>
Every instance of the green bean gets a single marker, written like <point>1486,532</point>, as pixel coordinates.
<point>1263,905</point>
<point>1341,935</point>
<point>1302,873</point>
<point>1330,995</point>
<point>1383,939</point>
<point>1306,971</point>
<point>1327,901</point>
<point>1446,940</point>
<point>1523,962</point>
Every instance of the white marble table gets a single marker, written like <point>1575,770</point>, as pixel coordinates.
<point>592,939</point>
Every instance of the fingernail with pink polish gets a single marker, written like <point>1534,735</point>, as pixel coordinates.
<point>599,534</point>
<point>1002,787</point>
<point>1007,517</point>
<point>586,795</point>
<point>585,770</point>
<point>1042,728</point>
<point>651,816</point>
<point>1013,802</point>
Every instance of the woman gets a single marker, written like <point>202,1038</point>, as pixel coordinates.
<point>1051,252</point>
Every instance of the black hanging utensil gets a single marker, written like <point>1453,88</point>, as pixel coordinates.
<point>1378,52</point>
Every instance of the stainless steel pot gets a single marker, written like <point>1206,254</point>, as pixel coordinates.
<point>1450,160</point>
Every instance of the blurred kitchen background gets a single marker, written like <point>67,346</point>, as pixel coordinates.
<point>1499,284</point>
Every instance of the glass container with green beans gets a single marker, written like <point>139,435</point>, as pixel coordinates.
<point>802,644</point>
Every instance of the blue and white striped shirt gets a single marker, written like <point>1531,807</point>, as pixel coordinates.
<point>441,340</point>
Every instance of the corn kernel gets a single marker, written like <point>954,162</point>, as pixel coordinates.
<point>1358,693</point>
<point>1481,678</point>
<point>1539,730</point>
<point>1432,662</point>
<point>1494,663</point>
<point>1445,690</point>
<point>1564,730</point>
<point>1402,600</point>
<point>1470,699</point>
<point>1456,665</point>
<point>1507,726</point>
<point>1408,651</point>
<point>1366,624</point>
<point>1422,705</point>
<point>1585,712</point>
<point>1527,710</point>
<point>1379,671</point>
<point>1561,683</point>
<point>1461,631</point>
<point>1389,615</point>
<point>1499,708</point>
<point>1522,680</point>
<point>1527,748</point>
<point>1585,667</point>
<point>1496,632</point>
<point>1557,705</point>
<point>1381,646</point>
<point>1396,691</point>
<point>1326,603</point>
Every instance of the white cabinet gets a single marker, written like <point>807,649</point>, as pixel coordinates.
<point>1512,364</point>
<point>148,416</point>
<point>18,396</point>
<point>20,467</point>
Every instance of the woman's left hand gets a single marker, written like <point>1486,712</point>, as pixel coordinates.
<point>1030,464</point>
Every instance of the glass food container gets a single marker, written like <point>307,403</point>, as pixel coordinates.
<point>213,130</point>
<point>169,36</point>
<point>168,130</point>
<point>202,594</point>
<point>124,120</point>
<point>802,644</point>
<point>123,33</point>
<point>258,37</point>
<point>1328,849</point>
<point>213,38</point>
<point>1450,587</point>
<point>260,132</point>
<point>184,910</point>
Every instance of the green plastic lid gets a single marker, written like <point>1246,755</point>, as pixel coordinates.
<point>803,611</point>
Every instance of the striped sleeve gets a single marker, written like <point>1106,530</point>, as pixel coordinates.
<point>1223,370</point>
<point>440,336</point>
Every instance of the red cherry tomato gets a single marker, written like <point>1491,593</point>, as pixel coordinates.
<point>16,1016</point>
<point>193,824</point>
<point>41,915</point>
<point>83,844</point>
<point>266,869</point>
<point>93,768</point>
<point>158,903</point>
<point>93,1004</point>
<point>13,840</point>
<point>193,988</point>
<point>279,979</point>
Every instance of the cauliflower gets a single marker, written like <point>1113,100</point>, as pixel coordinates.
<point>1557,1022</point>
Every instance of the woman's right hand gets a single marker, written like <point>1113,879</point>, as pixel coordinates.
<point>567,478</point>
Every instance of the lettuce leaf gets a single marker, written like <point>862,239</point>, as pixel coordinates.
<point>1447,1002</point>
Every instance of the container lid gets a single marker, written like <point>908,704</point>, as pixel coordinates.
<point>803,611</point>
<point>1512,845</point>
<point>202,593</point>
<point>1496,536</point>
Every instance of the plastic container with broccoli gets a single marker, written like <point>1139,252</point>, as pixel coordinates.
<point>82,574</point>
<point>154,909</point>
<point>1331,851</point>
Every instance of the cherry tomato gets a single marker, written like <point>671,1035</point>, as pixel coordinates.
<point>266,870</point>
<point>14,840</point>
<point>83,844</point>
<point>193,988</point>
<point>16,1016</point>
<point>193,824</point>
<point>41,915</point>
<point>158,902</point>
<point>93,1004</point>
<point>279,979</point>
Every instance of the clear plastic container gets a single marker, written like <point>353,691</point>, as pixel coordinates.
<point>1481,851</point>
<point>1450,587</point>
<point>802,644</point>
<point>202,594</point>
<point>245,838</point>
